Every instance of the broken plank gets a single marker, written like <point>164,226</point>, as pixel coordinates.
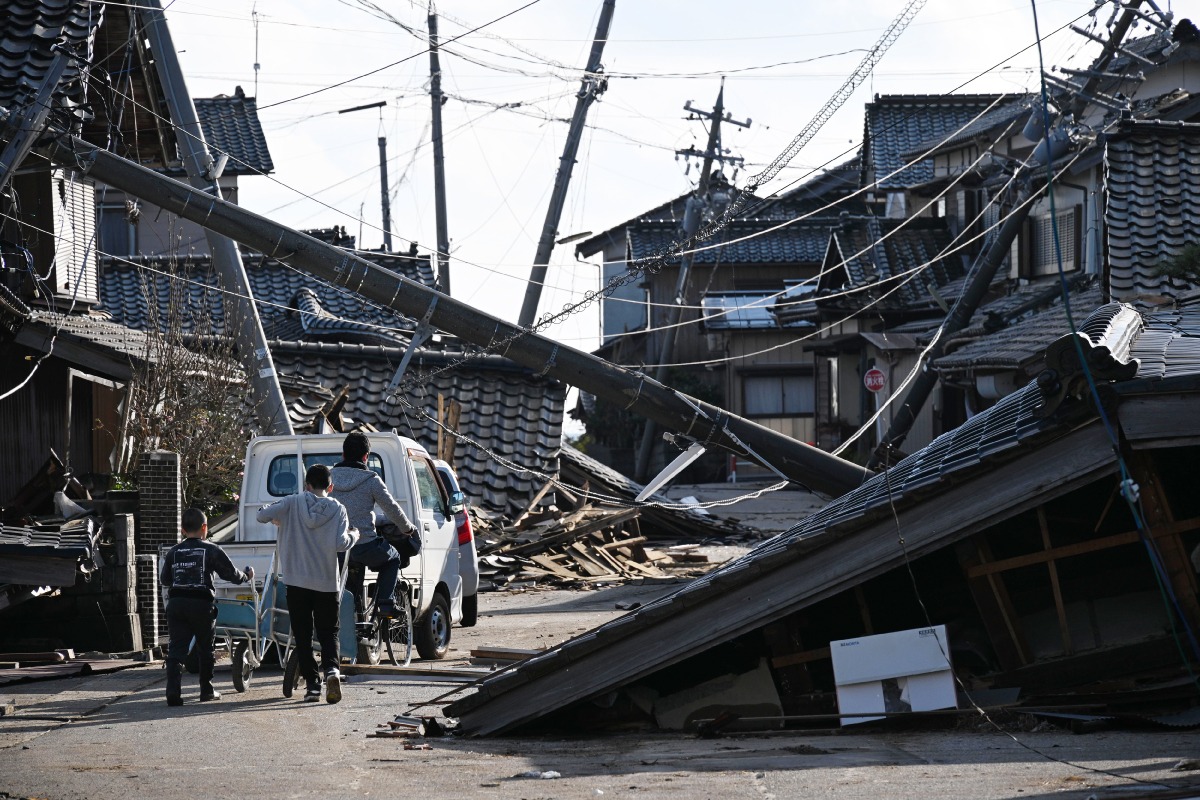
<point>552,567</point>
<point>632,540</point>
<point>589,564</point>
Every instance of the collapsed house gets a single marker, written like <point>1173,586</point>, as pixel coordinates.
<point>1050,534</point>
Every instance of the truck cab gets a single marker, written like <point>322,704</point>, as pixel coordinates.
<point>274,469</point>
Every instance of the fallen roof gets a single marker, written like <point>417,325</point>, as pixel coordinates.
<point>44,556</point>
<point>231,126</point>
<point>1002,462</point>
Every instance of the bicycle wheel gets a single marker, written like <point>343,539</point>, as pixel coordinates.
<point>370,640</point>
<point>399,639</point>
<point>242,668</point>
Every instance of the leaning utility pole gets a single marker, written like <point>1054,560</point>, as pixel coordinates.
<point>439,170</point>
<point>640,394</point>
<point>966,304</point>
<point>592,86</point>
<point>693,215</point>
<point>202,173</point>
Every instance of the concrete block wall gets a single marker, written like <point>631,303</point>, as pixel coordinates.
<point>160,508</point>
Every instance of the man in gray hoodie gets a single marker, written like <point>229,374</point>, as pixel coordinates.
<point>359,489</point>
<point>313,529</point>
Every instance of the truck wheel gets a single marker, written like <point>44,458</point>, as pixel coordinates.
<point>433,629</point>
<point>470,607</point>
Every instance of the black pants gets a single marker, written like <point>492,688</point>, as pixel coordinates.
<point>188,617</point>
<point>311,609</point>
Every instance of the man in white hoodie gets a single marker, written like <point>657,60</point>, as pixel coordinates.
<point>313,529</point>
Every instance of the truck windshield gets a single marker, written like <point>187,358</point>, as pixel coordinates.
<point>283,479</point>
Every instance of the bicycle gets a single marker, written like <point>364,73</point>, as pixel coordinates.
<point>377,634</point>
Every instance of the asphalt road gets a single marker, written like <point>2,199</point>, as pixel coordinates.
<point>113,736</point>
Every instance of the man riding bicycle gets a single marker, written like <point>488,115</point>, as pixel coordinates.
<point>360,489</point>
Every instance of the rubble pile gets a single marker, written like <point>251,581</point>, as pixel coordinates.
<point>591,544</point>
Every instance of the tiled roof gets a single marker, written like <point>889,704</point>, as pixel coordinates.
<point>124,287</point>
<point>898,124</point>
<point>111,336</point>
<point>1152,183</point>
<point>73,541</point>
<point>1007,118</point>
<point>817,193</point>
<point>1024,342</point>
<point>29,29</point>
<point>761,242</point>
<point>231,126</point>
<point>728,596</point>
<point>324,339</point>
<point>505,409</point>
<point>885,252</point>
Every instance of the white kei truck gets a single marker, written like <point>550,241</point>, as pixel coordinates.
<point>275,467</point>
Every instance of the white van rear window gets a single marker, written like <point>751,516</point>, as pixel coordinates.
<point>283,479</point>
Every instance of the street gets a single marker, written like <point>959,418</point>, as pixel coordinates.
<point>113,736</point>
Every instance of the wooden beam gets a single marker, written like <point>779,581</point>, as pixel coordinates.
<point>994,605</point>
<point>806,657</point>
<point>1059,607</point>
<point>1164,531</point>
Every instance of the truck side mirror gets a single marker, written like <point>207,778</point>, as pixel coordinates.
<point>458,501</point>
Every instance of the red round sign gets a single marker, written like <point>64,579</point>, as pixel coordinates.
<point>875,380</point>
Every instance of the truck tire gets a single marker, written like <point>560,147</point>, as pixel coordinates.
<point>433,629</point>
<point>470,608</point>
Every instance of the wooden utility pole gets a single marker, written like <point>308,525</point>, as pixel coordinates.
<point>593,85</point>
<point>439,169</point>
<point>693,215</point>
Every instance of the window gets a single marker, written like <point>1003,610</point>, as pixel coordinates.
<point>117,235</point>
<point>427,484</point>
<point>282,479</point>
<point>779,395</point>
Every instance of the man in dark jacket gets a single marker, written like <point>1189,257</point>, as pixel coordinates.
<point>359,489</point>
<point>186,574</point>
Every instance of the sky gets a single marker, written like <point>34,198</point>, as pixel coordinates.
<point>511,88</point>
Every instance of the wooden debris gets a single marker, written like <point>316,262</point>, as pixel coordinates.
<point>590,544</point>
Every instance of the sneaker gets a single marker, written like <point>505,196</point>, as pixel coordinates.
<point>333,686</point>
<point>213,695</point>
<point>312,692</point>
<point>174,701</point>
